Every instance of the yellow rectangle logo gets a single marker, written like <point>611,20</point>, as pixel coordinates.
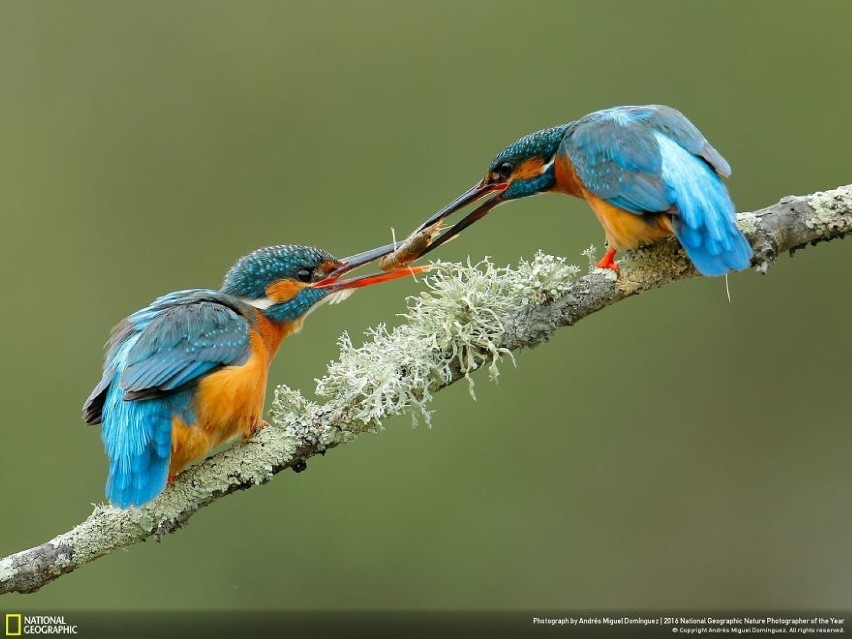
<point>13,625</point>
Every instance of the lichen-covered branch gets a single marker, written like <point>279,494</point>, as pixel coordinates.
<point>466,318</point>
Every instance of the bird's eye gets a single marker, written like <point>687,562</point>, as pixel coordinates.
<point>304,275</point>
<point>504,171</point>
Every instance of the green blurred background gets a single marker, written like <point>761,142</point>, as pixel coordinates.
<point>673,451</point>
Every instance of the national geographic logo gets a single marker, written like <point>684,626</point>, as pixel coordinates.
<point>18,625</point>
<point>13,625</point>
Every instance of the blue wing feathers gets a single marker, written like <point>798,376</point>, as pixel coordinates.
<point>137,440</point>
<point>645,194</point>
<point>652,159</point>
<point>676,126</point>
<point>153,359</point>
<point>93,407</point>
<point>181,344</point>
<point>706,220</point>
<point>617,159</point>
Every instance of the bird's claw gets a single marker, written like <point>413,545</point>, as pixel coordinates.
<point>608,261</point>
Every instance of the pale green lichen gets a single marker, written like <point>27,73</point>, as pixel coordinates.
<point>289,411</point>
<point>826,205</point>
<point>141,517</point>
<point>591,254</point>
<point>748,223</point>
<point>453,328</point>
<point>7,571</point>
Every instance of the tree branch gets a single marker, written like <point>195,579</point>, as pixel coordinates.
<point>467,318</point>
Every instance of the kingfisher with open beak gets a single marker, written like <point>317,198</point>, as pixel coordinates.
<point>646,171</point>
<point>189,371</point>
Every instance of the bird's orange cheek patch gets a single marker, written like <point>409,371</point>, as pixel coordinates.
<point>528,169</point>
<point>283,290</point>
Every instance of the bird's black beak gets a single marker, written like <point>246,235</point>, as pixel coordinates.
<point>332,280</point>
<point>477,192</point>
<point>471,195</point>
<point>359,259</point>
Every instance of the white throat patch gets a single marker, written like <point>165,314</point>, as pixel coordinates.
<point>263,303</point>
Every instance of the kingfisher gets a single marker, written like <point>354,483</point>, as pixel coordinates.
<point>189,371</point>
<point>646,172</point>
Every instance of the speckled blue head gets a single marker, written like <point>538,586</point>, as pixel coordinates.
<point>527,164</point>
<point>523,168</point>
<point>277,279</point>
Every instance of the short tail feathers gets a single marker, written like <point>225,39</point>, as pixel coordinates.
<point>137,438</point>
<point>705,223</point>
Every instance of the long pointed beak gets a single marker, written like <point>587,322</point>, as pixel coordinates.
<point>336,284</point>
<point>473,194</point>
<point>354,261</point>
<point>359,259</point>
<point>477,214</point>
<point>332,280</point>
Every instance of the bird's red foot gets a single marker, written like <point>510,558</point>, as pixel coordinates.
<point>170,480</point>
<point>608,261</point>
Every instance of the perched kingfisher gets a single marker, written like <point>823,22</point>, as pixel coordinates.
<point>646,171</point>
<point>189,371</point>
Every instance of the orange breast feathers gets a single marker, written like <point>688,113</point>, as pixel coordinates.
<point>566,177</point>
<point>624,230</point>
<point>228,402</point>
